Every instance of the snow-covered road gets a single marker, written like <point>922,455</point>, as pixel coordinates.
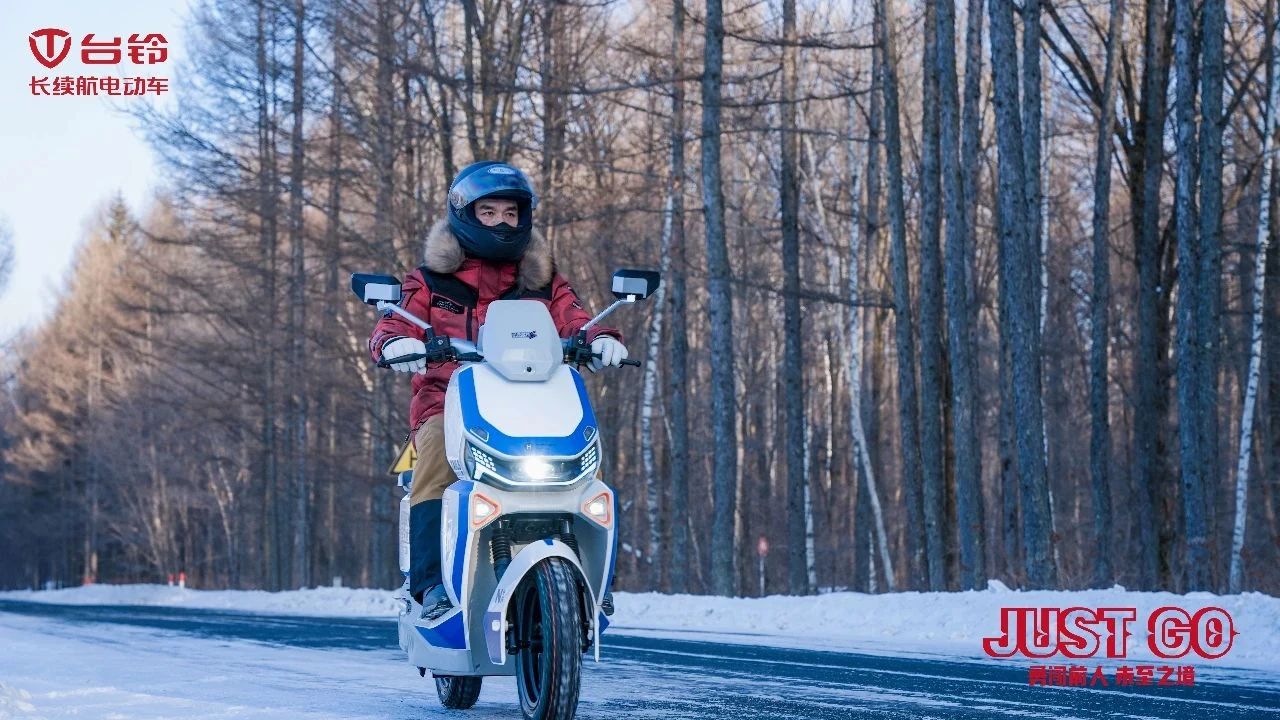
<point>86,661</point>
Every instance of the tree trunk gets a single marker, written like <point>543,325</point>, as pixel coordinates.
<point>1188,342</point>
<point>299,485</point>
<point>649,392</point>
<point>971,169</point>
<point>793,364</point>
<point>720,306</point>
<point>1032,143</point>
<point>862,457</point>
<point>1208,309</point>
<point>679,375</point>
<point>272,549</point>
<point>1146,369</point>
<point>959,322</point>
<point>1100,312</point>
<point>908,403</point>
<point>1018,266</point>
<point>931,292</point>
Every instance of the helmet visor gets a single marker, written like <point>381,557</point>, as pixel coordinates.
<point>498,179</point>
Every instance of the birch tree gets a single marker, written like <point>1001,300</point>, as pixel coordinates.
<point>1235,581</point>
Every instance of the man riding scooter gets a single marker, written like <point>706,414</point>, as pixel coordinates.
<point>486,250</point>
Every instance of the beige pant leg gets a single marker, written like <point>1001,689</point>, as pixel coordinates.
<point>431,471</point>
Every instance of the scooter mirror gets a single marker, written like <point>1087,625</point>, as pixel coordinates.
<point>372,289</point>
<point>639,284</point>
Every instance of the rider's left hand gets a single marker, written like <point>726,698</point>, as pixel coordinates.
<point>611,352</point>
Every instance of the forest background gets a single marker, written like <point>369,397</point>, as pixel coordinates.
<point>950,292</point>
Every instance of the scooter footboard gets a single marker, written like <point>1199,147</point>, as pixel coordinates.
<point>495,616</point>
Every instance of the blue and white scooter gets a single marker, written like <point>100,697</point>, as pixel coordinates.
<point>528,531</point>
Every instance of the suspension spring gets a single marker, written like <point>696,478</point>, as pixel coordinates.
<point>568,538</point>
<point>500,548</point>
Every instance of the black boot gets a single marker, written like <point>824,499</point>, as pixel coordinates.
<point>424,547</point>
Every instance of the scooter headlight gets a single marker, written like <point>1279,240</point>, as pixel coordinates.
<point>530,470</point>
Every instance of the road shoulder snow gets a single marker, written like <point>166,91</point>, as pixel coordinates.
<point>950,624</point>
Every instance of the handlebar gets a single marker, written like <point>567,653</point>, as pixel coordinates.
<point>442,357</point>
<point>447,352</point>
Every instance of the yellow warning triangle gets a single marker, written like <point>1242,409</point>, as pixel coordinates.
<point>405,460</point>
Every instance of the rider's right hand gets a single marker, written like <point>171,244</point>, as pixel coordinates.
<point>405,348</point>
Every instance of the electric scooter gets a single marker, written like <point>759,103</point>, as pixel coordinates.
<point>528,531</point>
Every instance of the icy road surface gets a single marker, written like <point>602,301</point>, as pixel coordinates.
<point>85,661</point>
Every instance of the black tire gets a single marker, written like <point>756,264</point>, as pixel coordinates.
<point>548,629</point>
<point>458,692</point>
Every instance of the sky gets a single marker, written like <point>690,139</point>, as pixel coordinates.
<point>62,158</point>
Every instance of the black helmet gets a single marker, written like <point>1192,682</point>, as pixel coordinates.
<point>494,180</point>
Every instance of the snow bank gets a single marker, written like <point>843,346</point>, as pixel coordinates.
<point>950,624</point>
<point>324,601</point>
<point>922,623</point>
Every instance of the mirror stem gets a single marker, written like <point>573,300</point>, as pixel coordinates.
<point>385,306</point>
<point>611,308</point>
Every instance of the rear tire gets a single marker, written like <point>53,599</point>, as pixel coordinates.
<point>548,629</point>
<point>458,692</point>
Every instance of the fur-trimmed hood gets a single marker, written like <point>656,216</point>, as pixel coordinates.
<point>443,253</point>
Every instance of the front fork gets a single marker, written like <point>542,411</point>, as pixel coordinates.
<point>500,552</point>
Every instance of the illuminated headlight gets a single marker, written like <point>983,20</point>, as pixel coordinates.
<point>531,469</point>
<point>536,469</point>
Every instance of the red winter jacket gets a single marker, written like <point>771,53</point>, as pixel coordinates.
<point>482,281</point>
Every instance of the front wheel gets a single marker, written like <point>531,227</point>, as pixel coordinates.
<point>548,634</point>
<point>458,692</point>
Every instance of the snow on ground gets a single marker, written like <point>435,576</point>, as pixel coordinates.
<point>951,624</point>
<point>51,670</point>
<point>322,601</point>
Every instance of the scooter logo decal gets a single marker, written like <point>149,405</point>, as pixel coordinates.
<point>527,334</point>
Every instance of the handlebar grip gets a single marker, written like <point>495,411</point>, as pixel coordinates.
<point>401,359</point>
<point>632,363</point>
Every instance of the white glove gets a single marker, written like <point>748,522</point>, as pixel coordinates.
<point>404,347</point>
<point>610,350</point>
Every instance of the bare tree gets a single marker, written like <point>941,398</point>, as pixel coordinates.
<point>932,403</point>
<point>720,301</point>
<point>960,332</point>
<point>1018,267</point>
<point>1100,309</point>
<point>678,373</point>
<point>1208,308</point>
<point>856,428</point>
<point>1236,576</point>
<point>1188,349</point>
<point>793,364</point>
<point>908,401</point>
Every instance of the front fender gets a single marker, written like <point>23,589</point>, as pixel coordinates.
<point>495,617</point>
